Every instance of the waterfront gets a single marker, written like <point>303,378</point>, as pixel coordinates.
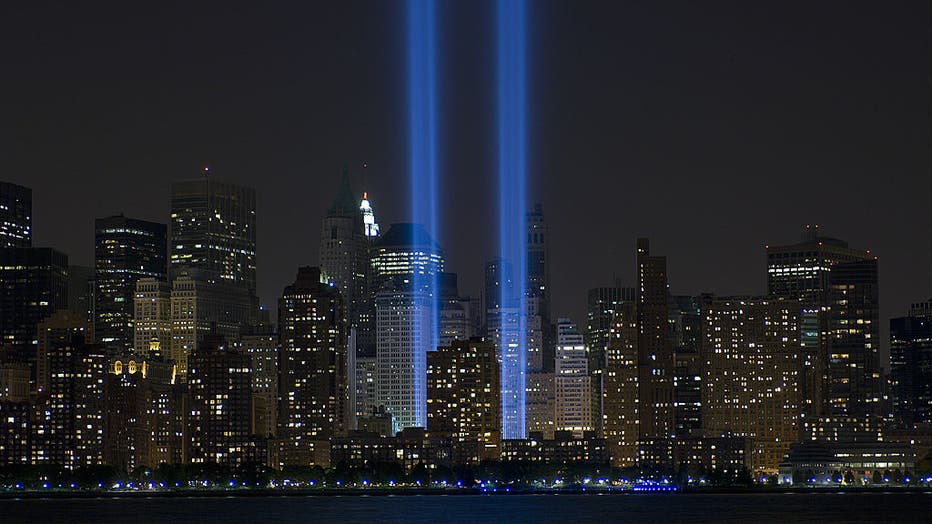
<point>694,508</point>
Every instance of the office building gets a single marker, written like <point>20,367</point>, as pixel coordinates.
<point>125,251</point>
<point>33,285</point>
<point>152,318</point>
<point>911,366</point>
<point>572,383</point>
<point>15,215</point>
<point>803,271</point>
<point>655,352</point>
<point>602,303</point>
<point>212,231</point>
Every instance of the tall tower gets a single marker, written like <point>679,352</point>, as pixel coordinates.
<point>33,285</point>
<point>572,382</point>
<point>344,256</point>
<point>538,259</point>
<point>126,250</point>
<point>806,271</point>
<point>213,231</point>
<point>15,215</point>
<point>602,304</point>
<point>314,383</point>
<point>655,352</point>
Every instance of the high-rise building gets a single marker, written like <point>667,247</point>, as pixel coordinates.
<point>750,380</point>
<point>686,325</point>
<point>152,318</point>
<point>911,366</point>
<point>344,251</point>
<point>602,303</point>
<point>33,285</point>
<point>803,271</point>
<point>403,318</point>
<point>621,387</point>
<point>464,399</point>
<point>408,251</point>
<point>853,382</point>
<point>655,352</point>
<point>538,259</point>
<point>572,383</point>
<point>82,287</point>
<point>199,307</point>
<point>220,399</point>
<point>70,375</point>
<point>15,215</point>
<point>126,249</point>
<point>212,231</point>
<point>314,379</point>
<point>367,386</point>
<point>265,353</point>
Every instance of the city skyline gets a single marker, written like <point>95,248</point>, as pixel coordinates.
<point>506,246</point>
<point>616,151</point>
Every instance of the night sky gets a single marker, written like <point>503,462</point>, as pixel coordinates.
<point>713,129</point>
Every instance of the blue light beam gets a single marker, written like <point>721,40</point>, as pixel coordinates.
<point>512,213</point>
<point>422,137</point>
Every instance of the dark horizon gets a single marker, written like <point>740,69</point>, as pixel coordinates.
<point>713,130</point>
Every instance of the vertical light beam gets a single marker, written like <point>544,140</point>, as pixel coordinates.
<point>512,215</point>
<point>422,137</point>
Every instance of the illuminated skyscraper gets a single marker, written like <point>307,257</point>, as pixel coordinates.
<point>655,352</point>
<point>212,231</point>
<point>265,353</point>
<point>404,334</point>
<point>621,387</point>
<point>911,366</point>
<point>152,318</point>
<point>33,285</point>
<point>601,306</point>
<point>686,326</point>
<point>456,312</point>
<point>219,420</point>
<point>572,382</point>
<point>70,376</point>
<point>464,399</point>
<point>804,271</point>
<point>125,250</point>
<point>408,251</point>
<point>314,383</point>
<point>750,352</point>
<point>15,215</point>
<point>344,251</point>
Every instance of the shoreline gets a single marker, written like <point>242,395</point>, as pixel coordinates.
<point>413,492</point>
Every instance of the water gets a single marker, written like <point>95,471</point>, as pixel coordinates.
<point>537,509</point>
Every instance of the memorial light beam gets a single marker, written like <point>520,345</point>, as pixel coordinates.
<point>512,216</point>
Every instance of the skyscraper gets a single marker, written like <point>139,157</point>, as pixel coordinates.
<point>15,215</point>
<point>655,352</point>
<point>572,383</point>
<point>538,259</point>
<point>456,312</point>
<point>212,231</point>
<point>220,398</point>
<point>126,250</point>
<point>152,318</point>
<point>621,387</point>
<point>405,250</point>
<point>70,382</point>
<point>33,285</point>
<point>314,378</point>
<point>602,304</point>
<point>686,325</point>
<point>911,366</point>
<point>403,317</point>
<point>464,399</point>
<point>344,250</point>
<point>750,378</point>
<point>803,271</point>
